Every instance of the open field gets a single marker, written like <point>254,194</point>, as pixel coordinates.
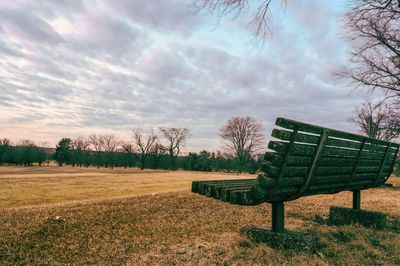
<point>26,186</point>
<point>175,227</point>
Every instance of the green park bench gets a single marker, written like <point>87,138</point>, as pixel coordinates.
<point>308,160</point>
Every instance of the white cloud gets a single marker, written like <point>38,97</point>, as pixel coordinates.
<point>68,68</point>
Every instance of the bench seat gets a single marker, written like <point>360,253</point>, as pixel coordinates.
<point>306,159</point>
<point>233,191</point>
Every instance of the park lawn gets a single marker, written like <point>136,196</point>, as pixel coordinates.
<point>29,186</point>
<point>183,228</point>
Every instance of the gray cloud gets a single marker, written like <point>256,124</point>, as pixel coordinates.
<point>172,16</point>
<point>79,67</point>
<point>105,35</point>
<point>26,26</point>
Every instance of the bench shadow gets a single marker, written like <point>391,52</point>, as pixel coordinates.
<point>393,224</point>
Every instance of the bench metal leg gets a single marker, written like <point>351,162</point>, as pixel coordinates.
<point>356,199</point>
<point>278,216</point>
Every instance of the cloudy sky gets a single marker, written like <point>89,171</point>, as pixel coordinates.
<point>72,68</point>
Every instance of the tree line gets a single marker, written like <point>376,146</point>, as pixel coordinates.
<point>202,161</point>
<point>242,137</point>
<point>156,159</point>
<point>243,147</point>
<point>24,153</point>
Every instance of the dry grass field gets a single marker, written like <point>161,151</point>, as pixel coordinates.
<point>28,186</point>
<point>95,221</point>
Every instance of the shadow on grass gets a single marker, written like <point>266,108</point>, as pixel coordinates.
<point>393,224</point>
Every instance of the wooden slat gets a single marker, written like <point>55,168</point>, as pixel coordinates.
<point>300,137</point>
<point>334,142</point>
<point>366,177</point>
<point>207,189</point>
<point>326,179</point>
<point>242,197</point>
<point>273,171</point>
<point>236,196</point>
<point>215,190</point>
<point>268,182</point>
<point>305,127</point>
<point>196,184</point>
<point>318,189</point>
<point>309,150</point>
<point>226,193</point>
<point>276,160</point>
<point>202,185</point>
<point>218,192</point>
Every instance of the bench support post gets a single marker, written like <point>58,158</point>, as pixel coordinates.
<point>356,199</point>
<point>278,217</point>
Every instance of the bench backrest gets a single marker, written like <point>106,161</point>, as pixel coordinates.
<point>310,159</point>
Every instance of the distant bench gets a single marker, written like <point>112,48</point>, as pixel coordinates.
<point>308,160</point>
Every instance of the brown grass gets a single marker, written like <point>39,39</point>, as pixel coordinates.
<point>178,228</point>
<point>28,186</point>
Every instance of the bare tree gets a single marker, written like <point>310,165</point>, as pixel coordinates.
<point>4,145</point>
<point>80,143</point>
<point>380,120</point>
<point>26,143</point>
<point>95,142</point>
<point>79,146</point>
<point>260,20</point>
<point>129,148</point>
<point>156,150</point>
<point>5,142</point>
<point>144,143</point>
<point>373,27</point>
<point>176,139</point>
<point>105,142</point>
<point>242,138</point>
<point>97,147</point>
<point>109,144</point>
<point>46,147</point>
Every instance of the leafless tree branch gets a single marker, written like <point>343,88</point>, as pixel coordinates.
<point>242,138</point>
<point>378,120</point>
<point>260,21</point>
<point>176,139</point>
<point>373,27</point>
<point>144,143</point>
